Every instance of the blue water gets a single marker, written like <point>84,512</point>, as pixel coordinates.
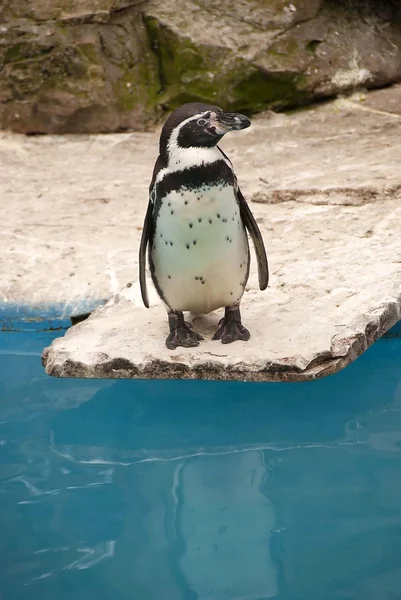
<point>117,490</point>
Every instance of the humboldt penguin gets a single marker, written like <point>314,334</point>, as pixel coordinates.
<point>196,226</point>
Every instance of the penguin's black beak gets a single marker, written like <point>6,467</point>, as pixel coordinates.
<point>226,121</point>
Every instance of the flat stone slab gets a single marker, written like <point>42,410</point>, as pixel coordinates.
<point>325,187</point>
<point>335,289</point>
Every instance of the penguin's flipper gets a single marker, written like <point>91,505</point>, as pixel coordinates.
<point>249,221</point>
<point>146,236</point>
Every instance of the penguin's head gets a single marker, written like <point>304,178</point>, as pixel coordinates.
<point>196,125</point>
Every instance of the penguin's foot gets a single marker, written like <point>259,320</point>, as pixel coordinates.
<point>231,328</point>
<point>181,333</point>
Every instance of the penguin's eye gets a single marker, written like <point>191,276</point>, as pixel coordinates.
<point>201,122</point>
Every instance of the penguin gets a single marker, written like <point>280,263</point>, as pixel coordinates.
<point>196,226</point>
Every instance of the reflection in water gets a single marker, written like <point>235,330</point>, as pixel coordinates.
<point>225,521</point>
<point>198,490</point>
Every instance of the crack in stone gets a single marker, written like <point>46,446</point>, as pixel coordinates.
<point>356,196</point>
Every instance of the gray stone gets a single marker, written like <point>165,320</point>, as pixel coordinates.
<point>116,65</point>
<point>252,54</point>
<point>75,67</point>
<point>335,289</point>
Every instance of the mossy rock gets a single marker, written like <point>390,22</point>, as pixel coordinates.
<point>80,77</point>
<point>258,54</point>
<point>116,65</point>
<point>40,11</point>
<point>189,72</point>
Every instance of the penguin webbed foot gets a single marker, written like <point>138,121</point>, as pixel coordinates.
<point>181,333</point>
<point>231,328</point>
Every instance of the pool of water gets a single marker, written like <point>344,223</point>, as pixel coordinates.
<point>117,490</point>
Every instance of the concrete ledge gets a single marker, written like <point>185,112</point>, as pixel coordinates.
<point>325,187</point>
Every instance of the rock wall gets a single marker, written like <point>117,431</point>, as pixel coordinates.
<point>117,65</point>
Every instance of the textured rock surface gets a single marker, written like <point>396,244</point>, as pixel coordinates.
<point>328,187</point>
<point>252,54</point>
<point>75,66</point>
<point>313,333</point>
<point>114,65</point>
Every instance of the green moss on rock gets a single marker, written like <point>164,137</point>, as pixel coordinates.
<point>260,90</point>
<point>129,91</point>
<point>86,65</point>
<point>189,73</point>
<point>26,49</point>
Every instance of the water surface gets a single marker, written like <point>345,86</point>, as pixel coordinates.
<point>183,490</point>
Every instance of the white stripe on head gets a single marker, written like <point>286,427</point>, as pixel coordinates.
<point>183,158</point>
<point>180,158</point>
<point>172,143</point>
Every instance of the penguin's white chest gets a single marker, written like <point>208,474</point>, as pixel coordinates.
<point>200,249</point>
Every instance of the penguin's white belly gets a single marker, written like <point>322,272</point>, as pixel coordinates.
<point>200,250</point>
